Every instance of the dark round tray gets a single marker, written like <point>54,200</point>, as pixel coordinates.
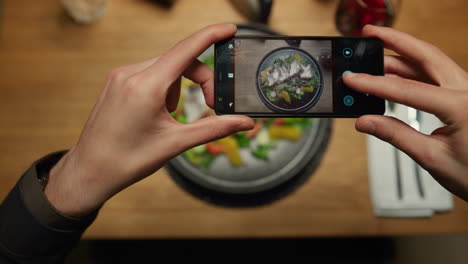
<point>279,191</point>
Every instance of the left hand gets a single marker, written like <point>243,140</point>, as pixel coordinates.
<point>130,133</point>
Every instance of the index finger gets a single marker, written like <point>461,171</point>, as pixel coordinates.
<point>406,45</point>
<point>436,64</point>
<point>174,62</point>
<point>204,76</point>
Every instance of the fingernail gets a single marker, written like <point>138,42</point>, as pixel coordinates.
<point>367,127</point>
<point>348,74</point>
<point>243,123</point>
<point>234,26</point>
<point>244,128</point>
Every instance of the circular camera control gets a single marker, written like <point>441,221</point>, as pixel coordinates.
<point>347,53</point>
<point>348,100</point>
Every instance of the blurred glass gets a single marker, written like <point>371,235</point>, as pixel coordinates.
<point>353,15</point>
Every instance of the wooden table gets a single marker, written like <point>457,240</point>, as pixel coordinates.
<point>52,69</point>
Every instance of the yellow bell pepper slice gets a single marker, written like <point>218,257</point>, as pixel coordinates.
<point>297,57</point>
<point>286,96</point>
<point>284,132</point>
<point>231,149</point>
<point>307,89</point>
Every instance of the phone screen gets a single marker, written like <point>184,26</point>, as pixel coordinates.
<point>295,76</point>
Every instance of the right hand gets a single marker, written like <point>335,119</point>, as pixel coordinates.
<point>422,77</point>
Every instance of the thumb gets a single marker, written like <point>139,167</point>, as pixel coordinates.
<point>213,127</point>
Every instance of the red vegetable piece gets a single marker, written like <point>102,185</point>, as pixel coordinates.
<point>214,148</point>
<point>278,122</point>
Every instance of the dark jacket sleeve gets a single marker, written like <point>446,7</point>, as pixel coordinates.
<point>31,229</point>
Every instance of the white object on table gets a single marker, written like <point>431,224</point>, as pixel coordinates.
<point>85,11</point>
<point>383,179</point>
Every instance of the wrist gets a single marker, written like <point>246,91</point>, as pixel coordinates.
<point>67,189</point>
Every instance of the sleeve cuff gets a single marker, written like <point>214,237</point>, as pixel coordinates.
<point>31,229</point>
<point>38,204</point>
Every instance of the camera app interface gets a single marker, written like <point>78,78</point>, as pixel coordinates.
<point>283,76</point>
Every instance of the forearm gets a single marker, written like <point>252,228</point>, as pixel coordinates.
<point>31,229</point>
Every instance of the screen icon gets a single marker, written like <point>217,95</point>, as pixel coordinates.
<point>230,75</point>
<point>230,46</point>
<point>230,104</point>
<point>347,53</point>
<point>348,100</point>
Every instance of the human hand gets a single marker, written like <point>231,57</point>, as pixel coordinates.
<point>130,132</point>
<point>422,77</point>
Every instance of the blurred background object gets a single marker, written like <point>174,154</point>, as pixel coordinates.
<point>166,3</point>
<point>254,10</point>
<point>353,15</point>
<point>85,11</point>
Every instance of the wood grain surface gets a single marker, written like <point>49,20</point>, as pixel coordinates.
<point>52,69</point>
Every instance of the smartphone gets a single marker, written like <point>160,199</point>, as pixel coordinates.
<point>283,76</point>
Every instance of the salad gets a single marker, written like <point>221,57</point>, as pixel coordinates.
<point>259,141</point>
<point>290,80</point>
